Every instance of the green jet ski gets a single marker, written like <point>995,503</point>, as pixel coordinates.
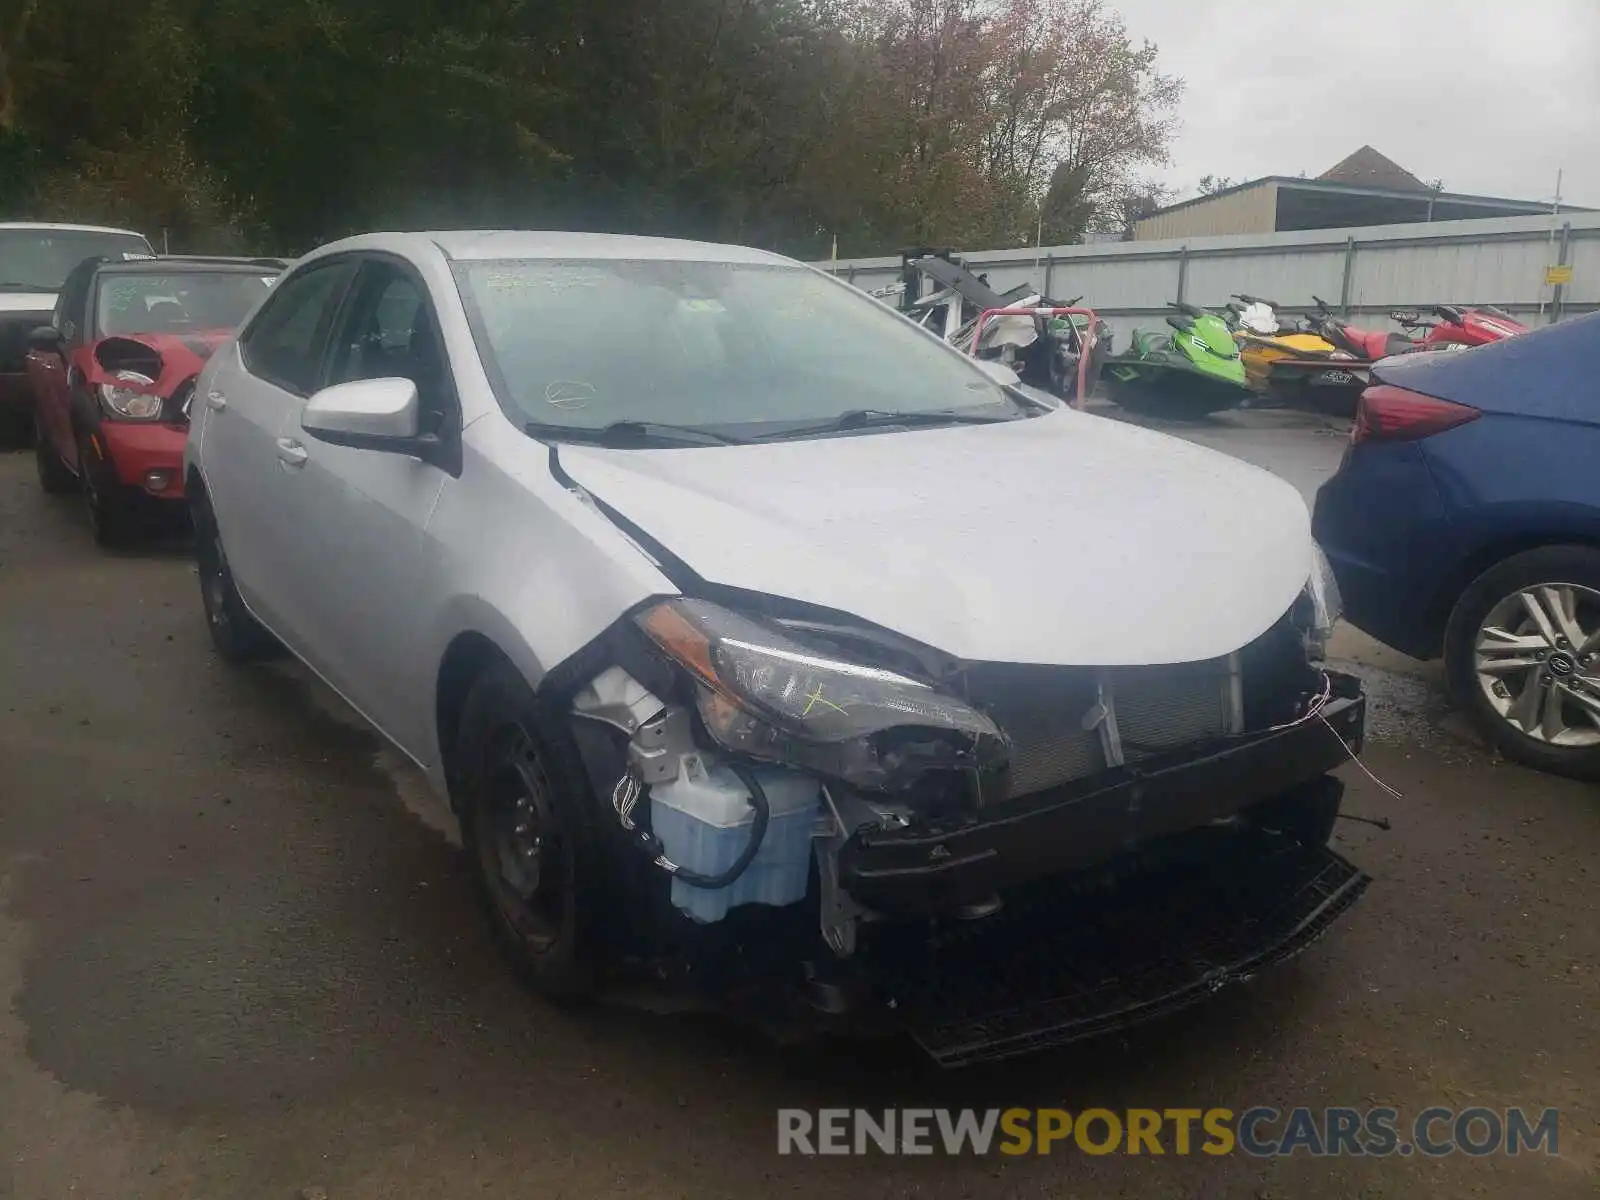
<point>1194,370</point>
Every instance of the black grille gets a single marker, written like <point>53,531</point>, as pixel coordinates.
<point>14,330</point>
<point>1043,710</point>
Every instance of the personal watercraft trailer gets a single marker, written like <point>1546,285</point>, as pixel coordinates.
<point>1052,345</point>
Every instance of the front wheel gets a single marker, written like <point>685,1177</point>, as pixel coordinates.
<point>1523,654</point>
<point>109,518</point>
<point>529,821</point>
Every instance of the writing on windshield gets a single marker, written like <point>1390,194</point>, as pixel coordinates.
<point>181,302</point>
<point>727,346</point>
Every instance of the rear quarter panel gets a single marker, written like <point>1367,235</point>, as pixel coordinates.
<point>1527,472</point>
<point>1508,483</point>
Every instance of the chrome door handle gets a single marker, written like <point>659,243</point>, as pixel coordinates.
<point>216,401</point>
<point>291,453</point>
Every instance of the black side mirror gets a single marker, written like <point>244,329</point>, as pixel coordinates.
<point>46,339</point>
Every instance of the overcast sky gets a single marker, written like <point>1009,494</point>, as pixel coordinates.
<point>1490,96</point>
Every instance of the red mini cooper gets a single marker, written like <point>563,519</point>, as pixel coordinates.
<point>114,372</point>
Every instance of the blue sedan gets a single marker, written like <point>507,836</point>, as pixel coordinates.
<point>1464,523</point>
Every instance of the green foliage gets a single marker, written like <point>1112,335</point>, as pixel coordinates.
<point>274,125</point>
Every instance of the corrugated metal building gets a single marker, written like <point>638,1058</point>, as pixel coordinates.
<point>1365,189</point>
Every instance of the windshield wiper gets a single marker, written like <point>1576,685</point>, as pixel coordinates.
<point>632,433</point>
<point>872,418</point>
<point>22,285</point>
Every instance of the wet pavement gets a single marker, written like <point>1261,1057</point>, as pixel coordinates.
<point>238,957</point>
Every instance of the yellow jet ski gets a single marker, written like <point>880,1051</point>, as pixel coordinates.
<point>1295,364</point>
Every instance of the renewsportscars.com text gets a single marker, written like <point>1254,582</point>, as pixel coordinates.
<point>1262,1132</point>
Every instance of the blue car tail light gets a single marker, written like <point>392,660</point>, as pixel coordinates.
<point>1394,414</point>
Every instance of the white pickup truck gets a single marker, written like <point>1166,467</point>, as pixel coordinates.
<point>34,261</point>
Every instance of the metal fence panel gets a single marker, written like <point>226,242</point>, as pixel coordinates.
<point>1498,261</point>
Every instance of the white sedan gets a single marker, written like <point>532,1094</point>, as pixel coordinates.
<point>761,640</point>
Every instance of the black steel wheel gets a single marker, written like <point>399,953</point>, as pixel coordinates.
<point>529,820</point>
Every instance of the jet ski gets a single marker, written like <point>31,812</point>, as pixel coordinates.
<point>1294,363</point>
<point>1192,371</point>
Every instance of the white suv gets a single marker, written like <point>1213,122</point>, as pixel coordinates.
<point>35,259</point>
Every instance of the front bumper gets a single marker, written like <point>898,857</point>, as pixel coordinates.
<point>927,869</point>
<point>138,453</point>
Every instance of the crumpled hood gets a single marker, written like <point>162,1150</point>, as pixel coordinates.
<point>181,356</point>
<point>1067,539</point>
<point>199,345</point>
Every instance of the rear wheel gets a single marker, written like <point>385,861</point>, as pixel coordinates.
<point>529,821</point>
<point>237,636</point>
<point>1523,653</point>
<point>54,477</point>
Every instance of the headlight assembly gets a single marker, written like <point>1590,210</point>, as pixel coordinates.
<point>130,402</point>
<point>767,695</point>
<point>1326,605</point>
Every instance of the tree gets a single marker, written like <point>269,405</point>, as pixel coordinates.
<point>1210,185</point>
<point>277,124</point>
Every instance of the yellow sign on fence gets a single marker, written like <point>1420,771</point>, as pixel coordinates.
<point>1555,276</point>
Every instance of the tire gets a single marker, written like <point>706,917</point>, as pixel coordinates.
<point>1556,727</point>
<point>237,636</point>
<point>109,518</point>
<point>509,750</point>
<point>54,477</point>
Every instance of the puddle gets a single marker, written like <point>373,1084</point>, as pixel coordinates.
<point>411,786</point>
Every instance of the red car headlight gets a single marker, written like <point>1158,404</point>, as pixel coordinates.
<point>130,402</point>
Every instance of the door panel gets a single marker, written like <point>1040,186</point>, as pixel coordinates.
<point>262,379</point>
<point>360,516</point>
<point>47,375</point>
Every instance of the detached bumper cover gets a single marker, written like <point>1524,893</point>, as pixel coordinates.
<point>1061,964</point>
<point>1079,825</point>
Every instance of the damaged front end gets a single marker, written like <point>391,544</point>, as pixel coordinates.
<point>998,856</point>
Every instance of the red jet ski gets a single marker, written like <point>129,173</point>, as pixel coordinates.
<point>1474,326</point>
<point>1456,328</point>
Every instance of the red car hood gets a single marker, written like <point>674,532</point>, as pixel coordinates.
<point>169,358</point>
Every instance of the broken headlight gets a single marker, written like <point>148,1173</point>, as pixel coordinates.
<point>765,694</point>
<point>127,399</point>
